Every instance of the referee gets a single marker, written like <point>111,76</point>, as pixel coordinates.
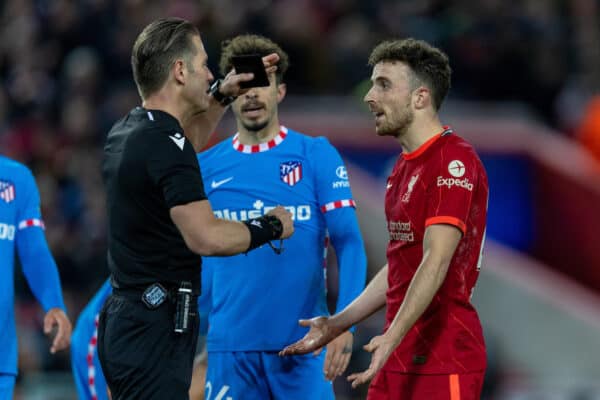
<point>160,220</point>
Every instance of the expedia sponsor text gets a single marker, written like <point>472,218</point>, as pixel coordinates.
<point>449,182</point>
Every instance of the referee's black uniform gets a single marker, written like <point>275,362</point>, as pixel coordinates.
<point>149,167</point>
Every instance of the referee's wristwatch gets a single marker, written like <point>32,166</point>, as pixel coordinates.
<point>218,96</point>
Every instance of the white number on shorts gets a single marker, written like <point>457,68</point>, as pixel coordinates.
<point>220,395</point>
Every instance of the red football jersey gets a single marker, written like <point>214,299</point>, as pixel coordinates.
<point>442,182</point>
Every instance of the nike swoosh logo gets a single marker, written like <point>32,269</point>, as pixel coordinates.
<point>389,185</point>
<point>178,139</point>
<point>216,184</point>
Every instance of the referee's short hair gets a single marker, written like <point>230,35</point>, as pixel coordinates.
<point>155,50</point>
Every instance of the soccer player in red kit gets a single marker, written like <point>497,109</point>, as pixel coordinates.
<point>436,203</point>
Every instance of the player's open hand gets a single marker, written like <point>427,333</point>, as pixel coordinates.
<point>231,83</point>
<point>381,347</point>
<point>62,339</point>
<point>321,332</point>
<point>286,220</point>
<point>339,351</point>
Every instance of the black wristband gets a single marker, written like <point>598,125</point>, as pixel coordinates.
<point>263,230</point>
<point>218,96</point>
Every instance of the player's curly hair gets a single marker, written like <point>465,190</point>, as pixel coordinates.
<point>429,64</point>
<point>252,44</point>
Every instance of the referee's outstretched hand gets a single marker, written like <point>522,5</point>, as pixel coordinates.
<point>286,220</point>
<point>62,339</point>
<point>231,83</point>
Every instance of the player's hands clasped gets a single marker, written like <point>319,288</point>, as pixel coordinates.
<point>231,83</point>
<point>62,339</point>
<point>286,220</point>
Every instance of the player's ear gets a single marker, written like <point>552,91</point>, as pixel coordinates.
<point>281,91</point>
<point>179,71</point>
<point>421,98</point>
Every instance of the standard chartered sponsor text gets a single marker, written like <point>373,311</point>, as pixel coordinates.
<point>401,231</point>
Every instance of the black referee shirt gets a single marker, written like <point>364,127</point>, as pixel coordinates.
<point>149,167</point>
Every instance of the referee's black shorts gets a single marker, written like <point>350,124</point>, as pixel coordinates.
<point>142,358</point>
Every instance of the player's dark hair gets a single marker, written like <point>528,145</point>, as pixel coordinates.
<point>252,44</point>
<point>156,48</point>
<point>429,64</point>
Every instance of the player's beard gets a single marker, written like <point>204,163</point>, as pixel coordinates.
<point>397,124</point>
<point>255,126</point>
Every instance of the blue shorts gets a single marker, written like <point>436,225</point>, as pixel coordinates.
<point>7,386</point>
<point>266,376</point>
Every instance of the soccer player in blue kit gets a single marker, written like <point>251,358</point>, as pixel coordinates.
<point>257,298</point>
<point>21,227</point>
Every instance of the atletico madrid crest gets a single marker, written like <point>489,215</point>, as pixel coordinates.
<point>7,191</point>
<point>290,172</point>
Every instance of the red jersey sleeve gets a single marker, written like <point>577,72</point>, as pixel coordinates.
<point>452,187</point>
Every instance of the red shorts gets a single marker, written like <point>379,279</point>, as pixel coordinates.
<point>398,386</point>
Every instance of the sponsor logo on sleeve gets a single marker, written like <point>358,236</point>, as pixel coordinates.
<point>456,168</point>
<point>451,182</point>
<point>341,173</point>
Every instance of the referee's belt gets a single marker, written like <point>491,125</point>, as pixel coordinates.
<point>152,296</point>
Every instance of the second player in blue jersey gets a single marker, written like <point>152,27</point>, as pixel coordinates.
<point>22,229</point>
<point>257,298</point>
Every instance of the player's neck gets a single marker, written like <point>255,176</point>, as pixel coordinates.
<point>419,132</point>
<point>250,137</point>
<point>166,101</point>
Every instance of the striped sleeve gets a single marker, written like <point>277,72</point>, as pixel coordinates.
<point>338,204</point>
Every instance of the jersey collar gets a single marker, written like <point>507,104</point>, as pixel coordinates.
<point>416,153</point>
<point>156,115</point>
<point>259,148</point>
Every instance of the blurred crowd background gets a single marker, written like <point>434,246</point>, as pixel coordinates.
<point>65,78</point>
